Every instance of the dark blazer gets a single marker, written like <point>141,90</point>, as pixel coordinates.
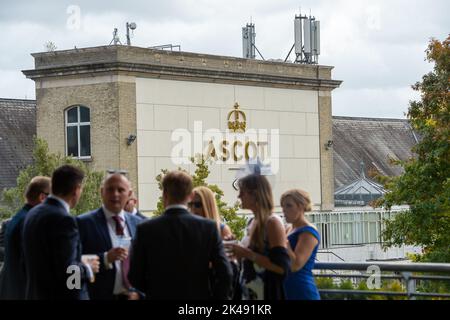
<point>171,254</point>
<point>51,244</point>
<point>12,276</point>
<point>2,239</point>
<point>95,239</point>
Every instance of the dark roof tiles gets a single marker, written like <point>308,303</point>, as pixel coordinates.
<point>371,140</point>
<point>17,128</point>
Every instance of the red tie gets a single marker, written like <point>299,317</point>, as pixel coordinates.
<point>125,270</point>
<point>126,262</point>
<point>119,227</point>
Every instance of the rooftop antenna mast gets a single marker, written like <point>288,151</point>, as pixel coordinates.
<point>307,40</point>
<point>115,38</point>
<point>248,42</point>
<point>132,26</point>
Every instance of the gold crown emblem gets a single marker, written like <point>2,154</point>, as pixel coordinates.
<point>236,125</point>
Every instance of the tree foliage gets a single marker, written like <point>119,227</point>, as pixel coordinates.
<point>228,214</point>
<point>394,286</point>
<point>44,163</point>
<point>425,183</point>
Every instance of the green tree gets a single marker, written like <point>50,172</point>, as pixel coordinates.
<point>228,214</point>
<point>425,183</point>
<point>44,163</point>
<point>326,283</point>
<point>345,284</point>
<point>394,286</point>
<point>362,286</point>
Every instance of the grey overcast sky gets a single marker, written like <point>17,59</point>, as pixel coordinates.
<point>376,46</point>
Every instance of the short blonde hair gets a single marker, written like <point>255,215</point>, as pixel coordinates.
<point>300,197</point>
<point>209,204</point>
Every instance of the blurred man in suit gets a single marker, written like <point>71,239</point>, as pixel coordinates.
<point>51,242</point>
<point>12,277</point>
<point>2,238</point>
<point>102,232</point>
<point>174,255</point>
<point>130,207</point>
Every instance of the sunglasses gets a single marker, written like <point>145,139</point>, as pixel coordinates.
<point>195,204</point>
<point>113,171</point>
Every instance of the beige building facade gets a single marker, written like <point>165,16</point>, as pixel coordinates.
<point>98,99</point>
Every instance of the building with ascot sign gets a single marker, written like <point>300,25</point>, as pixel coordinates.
<point>143,110</point>
<point>347,233</point>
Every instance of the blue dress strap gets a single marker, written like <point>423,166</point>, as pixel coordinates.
<point>308,229</point>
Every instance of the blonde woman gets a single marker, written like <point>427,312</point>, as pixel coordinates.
<point>265,260</point>
<point>204,204</point>
<point>303,243</point>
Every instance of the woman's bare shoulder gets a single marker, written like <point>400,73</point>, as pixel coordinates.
<point>275,225</point>
<point>275,221</point>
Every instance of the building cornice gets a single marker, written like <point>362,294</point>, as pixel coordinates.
<point>142,62</point>
<point>181,73</point>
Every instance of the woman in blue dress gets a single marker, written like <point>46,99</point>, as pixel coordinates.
<point>303,242</point>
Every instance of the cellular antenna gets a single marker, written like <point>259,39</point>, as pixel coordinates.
<point>248,42</point>
<point>306,40</point>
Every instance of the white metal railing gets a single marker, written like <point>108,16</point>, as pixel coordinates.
<point>343,228</point>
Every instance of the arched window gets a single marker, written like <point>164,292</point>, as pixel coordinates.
<point>78,132</point>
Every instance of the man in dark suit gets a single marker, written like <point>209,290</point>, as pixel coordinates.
<point>52,249</point>
<point>2,238</point>
<point>130,207</point>
<point>12,276</point>
<point>101,232</point>
<point>179,255</point>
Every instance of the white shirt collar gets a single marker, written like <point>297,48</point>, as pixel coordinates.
<point>63,202</point>
<point>109,214</point>
<point>176,206</point>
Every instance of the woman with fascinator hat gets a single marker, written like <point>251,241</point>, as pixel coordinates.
<point>265,260</point>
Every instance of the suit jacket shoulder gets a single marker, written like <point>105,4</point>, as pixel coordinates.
<point>133,218</point>
<point>89,215</point>
<point>141,216</point>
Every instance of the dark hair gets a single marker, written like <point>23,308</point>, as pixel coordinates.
<point>36,187</point>
<point>65,179</point>
<point>177,185</point>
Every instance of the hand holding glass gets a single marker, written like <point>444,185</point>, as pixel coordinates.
<point>228,245</point>
<point>123,242</point>
<point>93,261</point>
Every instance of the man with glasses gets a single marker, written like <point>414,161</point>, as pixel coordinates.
<point>12,277</point>
<point>130,207</point>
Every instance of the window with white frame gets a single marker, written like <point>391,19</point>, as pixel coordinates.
<point>78,132</point>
